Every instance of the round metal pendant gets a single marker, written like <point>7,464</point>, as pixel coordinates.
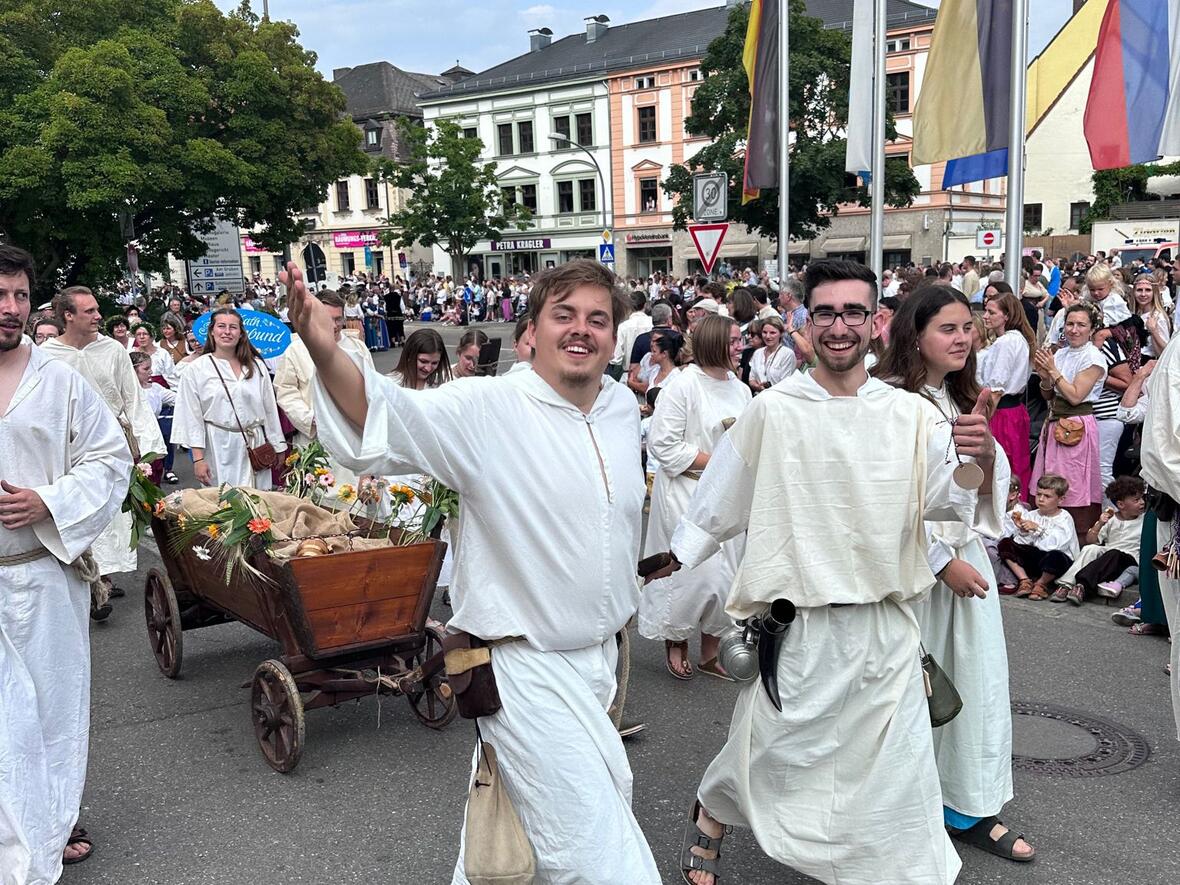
<point>968,475</point>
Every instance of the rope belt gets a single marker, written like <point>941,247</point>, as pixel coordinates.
<point>27,556</point>
<point>233,429</point>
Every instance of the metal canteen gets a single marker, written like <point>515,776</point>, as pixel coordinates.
<point>737,651</point>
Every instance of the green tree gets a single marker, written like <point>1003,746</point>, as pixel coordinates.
<point>1125,185</point>
<point>455,201</point>
<point>164,113</point>
<point>820,60</point>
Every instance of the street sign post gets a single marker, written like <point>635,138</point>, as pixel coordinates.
<point>710,197</point>
<point>221,265</point>
<point>988,239</point>
<point>708,238</point>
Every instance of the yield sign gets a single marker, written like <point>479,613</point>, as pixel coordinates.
<point>708,238</point>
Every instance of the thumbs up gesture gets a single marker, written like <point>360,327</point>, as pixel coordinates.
<point>971,433</point>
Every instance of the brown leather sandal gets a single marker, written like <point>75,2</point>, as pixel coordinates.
<point>1038,593</point>
<point>1024,588</point>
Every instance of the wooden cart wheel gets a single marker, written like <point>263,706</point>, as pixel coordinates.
<point>435,704</point>
<point>163,622</point>
<point>277,710</point>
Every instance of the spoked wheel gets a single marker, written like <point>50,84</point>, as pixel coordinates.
<point>433,704</point>
<point>163,622</point>
<point>277,710</point>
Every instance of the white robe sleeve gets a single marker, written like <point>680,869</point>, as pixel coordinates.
<point>939,552</point>
<point>136,409</point>
<point>669,423</point>
<point>271,425</point>
<point>188,419</point>
<point>1160,451</point>
<point>947,502</point>
<point>83,502</point>
<point>1057,534</point>
<point>290,382</point>
<point>1002,363</point>
<point>720,507</point>
<point>437,431</point>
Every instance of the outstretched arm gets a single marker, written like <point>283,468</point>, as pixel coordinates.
<point>338,374</point>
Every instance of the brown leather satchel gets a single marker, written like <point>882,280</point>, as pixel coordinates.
<point>468,663</point>
<point>1068,431</point>
<point>263,457</point>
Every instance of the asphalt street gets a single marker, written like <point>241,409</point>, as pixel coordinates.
<point>178,793</point>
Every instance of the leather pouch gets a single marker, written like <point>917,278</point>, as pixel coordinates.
<point>941,695</point>
<point>467,660</point>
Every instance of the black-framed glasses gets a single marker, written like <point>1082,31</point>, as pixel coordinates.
<point>824,317</point>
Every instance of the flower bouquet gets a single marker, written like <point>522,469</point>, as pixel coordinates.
<point>144,499</point>
<point>310,475</point>
<point>240,527</point>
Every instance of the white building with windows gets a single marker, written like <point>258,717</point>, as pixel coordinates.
<point>543,117</point>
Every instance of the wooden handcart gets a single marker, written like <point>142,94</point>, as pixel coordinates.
<point>350,625</point>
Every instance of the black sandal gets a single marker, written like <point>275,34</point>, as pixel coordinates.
<point>695,837</point>
<point>78,837</point>
<point>980,836</point>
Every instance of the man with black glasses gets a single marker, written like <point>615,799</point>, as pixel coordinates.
<point>832,474</point>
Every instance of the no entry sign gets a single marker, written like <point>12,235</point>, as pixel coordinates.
<point>987,239</point>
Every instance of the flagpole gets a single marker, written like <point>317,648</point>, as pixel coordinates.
<point>877,183</point>
<point>784,117</point>
<point>1014,233</point>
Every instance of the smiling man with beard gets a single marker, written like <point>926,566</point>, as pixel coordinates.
<point>555,596</point>
<point>832,474</point>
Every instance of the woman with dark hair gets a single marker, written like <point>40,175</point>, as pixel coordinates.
<point>143,340</point>
<point>693,410</point>
<point>1004,367</point>
<point>423,362</point>
<point>172,339</point>
<point>119,329</point>
<point>225,404</point>
<point>666,347</point>
<point>376,329</point>
<point>467,353</point>
<point>930,354</point>
<point>1071,381</point>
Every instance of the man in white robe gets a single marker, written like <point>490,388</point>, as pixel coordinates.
<point>841,783</point>
<point>1160,454</point>
<point>293,384</point>
<point>563,588</point>
<point>63,475</point>
<point>106,365</point>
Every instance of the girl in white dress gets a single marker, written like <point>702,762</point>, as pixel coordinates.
<point>207,418</point>
<point>930,354</point>
<point>690,417</point>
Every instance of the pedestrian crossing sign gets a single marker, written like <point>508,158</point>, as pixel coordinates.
<point>606,253</point>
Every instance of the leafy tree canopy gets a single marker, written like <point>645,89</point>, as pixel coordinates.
<point>820,60</point>
<point>455,201</point>
<point>1125,185</point>
<point>164,113</point>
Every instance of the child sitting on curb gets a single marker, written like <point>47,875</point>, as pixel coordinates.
<point>1044,542</point>
<point>1108,564</point>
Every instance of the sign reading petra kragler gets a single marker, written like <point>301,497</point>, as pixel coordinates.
<point>267,333</point>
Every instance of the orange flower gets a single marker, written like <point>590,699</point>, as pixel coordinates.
<point>159,508</point>
<point>213,530</point>
<point>259,525</point>
<point>147,506</point>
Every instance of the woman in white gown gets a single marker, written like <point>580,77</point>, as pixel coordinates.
<point>690,416</point>
<point>225,398</point>
<point>930,354</point>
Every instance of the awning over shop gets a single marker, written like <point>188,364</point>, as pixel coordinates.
<point>739,250</point>
<point>840,245</point>
<point>898,243</point>
<point>803,248</point>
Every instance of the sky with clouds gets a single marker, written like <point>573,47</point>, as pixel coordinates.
<point>431,35</point>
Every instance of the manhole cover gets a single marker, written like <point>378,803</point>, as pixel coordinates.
<point>1070,743</point>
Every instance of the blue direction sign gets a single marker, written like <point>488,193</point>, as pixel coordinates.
<point>606,253</point>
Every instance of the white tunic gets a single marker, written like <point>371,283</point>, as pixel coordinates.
<point>1005,365</point>
<point>966,637</point>
<point>774,370</point>
<point>105,363</point>
<point>688,419</point>
<point>1160,455</point>
<point>292,386</point>
<point>842,784</point>
<point>567,587</point>
<point>205,419</point>
<point>59,438</point>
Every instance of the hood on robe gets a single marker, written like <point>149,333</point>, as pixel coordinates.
<point>802,386</point>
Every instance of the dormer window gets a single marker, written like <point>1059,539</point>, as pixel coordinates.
<point>372,139</point>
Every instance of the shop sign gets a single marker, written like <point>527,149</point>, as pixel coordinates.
<point>355,239</point>
<point>253,248</point>
<point>269,335</point>
<point>525,245</point>
<point>650,237</point>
